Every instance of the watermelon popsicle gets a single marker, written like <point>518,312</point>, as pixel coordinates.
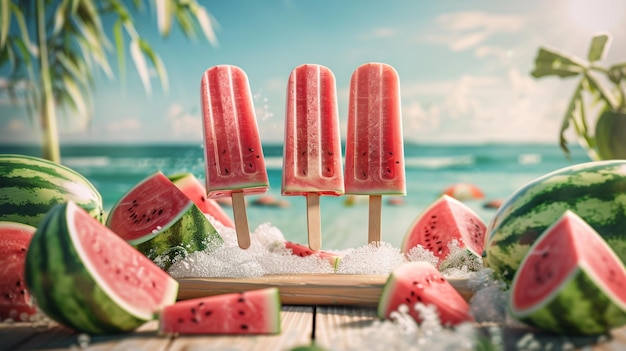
<point>312,150</point>
<point>374,147</point>
<point>235,165</point>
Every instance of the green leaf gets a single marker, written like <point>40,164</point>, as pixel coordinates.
<point>552,62</point>
<point>21,22</point>
<point>76,96</point>
<point>206,24</point>
<point>60,16</point>
<point>158,64</point>
<point>118,37</point>
<point>608,97</point>
<point>141,65</point>
<point>164,16</point>
<point>72,68</point>
<point>617,72</point>
<point>5,22</point>
<point>599,46</point>
<point>186,23</point>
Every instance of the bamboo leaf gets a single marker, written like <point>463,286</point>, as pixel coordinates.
<point>206,24</point>
<point>118,37</point>
<point>5,22</point>
<point>599,46</point>
<point>60,16</point>
<point>21,22</point>
<point>164,16</point>
<point>552,62</point>
<point>141,65</point>
<point>76,96</point>
<point>72,68</point>
<point>158,64</point>
<point>186,23</point>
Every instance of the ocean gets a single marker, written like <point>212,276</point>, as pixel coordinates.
<point>497,169</point>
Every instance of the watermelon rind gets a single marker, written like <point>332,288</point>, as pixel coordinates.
<point>188,231</point>
<point>596,191</point>
<point>68,289</point>
<point>579,306</point>
<point>31,186</point>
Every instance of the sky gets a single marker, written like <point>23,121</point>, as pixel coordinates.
<point>464,67</point>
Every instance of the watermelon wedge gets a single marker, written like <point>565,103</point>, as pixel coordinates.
<point>15,301</point>
<point>162,222</point>
<point>445,220</point>
<point>570,282</point>
<point>420,282</point>
<point>251,312</point>
<point>86,277</point>
<point>196,191</point>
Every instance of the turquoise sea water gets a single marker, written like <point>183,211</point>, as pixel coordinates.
<point>498,169</point>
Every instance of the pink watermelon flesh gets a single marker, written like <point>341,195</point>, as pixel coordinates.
<point>420,282</point>
<point>567,245</point>
<point>303,251</point>
<point>14,297</point>
<point>137,215</point>
<point>445,220</point>
<point>251,312</point>
<point>195,190</point>
<point>126,273</point>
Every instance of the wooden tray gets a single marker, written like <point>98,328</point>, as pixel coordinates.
<point>304,289</point>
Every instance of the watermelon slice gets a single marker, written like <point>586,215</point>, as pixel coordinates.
<point>14,297</point>
<point>162,222</point>
<point>195,190</point>
<point>420,282</point>
<point>445,220</point>
<point>570,282</point>
<point>251,312</point>
<point>303,251</point>
<point>86,277</point>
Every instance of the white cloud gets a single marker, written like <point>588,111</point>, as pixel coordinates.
<point>470,30</point>
<point>482,108</point>
<point>383,32</point>
<point>183,125</point>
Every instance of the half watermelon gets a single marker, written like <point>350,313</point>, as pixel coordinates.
<point>251,312</point>
<point>570,282</point>
<point>86,277</point>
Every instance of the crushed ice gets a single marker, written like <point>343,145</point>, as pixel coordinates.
<point>267,255</point>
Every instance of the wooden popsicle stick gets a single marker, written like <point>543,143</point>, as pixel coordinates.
<point>375,220</point>
<point>241,220</point>
<point>313,220</point>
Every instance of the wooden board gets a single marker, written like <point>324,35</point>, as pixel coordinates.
<point>304,289</point>
<point>341,327</point>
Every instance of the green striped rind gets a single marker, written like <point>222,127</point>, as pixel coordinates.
<point>63,287</point>
<point>188,233</point>
<point>31,186</point>
<point>596,191</point>
<point>579,307</point>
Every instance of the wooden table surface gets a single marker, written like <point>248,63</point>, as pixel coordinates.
<point>333,327</point>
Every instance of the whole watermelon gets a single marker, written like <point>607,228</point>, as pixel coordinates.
<point>31,186</point>
<point>596,191</point>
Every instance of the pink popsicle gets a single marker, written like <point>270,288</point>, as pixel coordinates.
<point>374,146</point>
<point>312,163</point>
<point>235,165</point>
